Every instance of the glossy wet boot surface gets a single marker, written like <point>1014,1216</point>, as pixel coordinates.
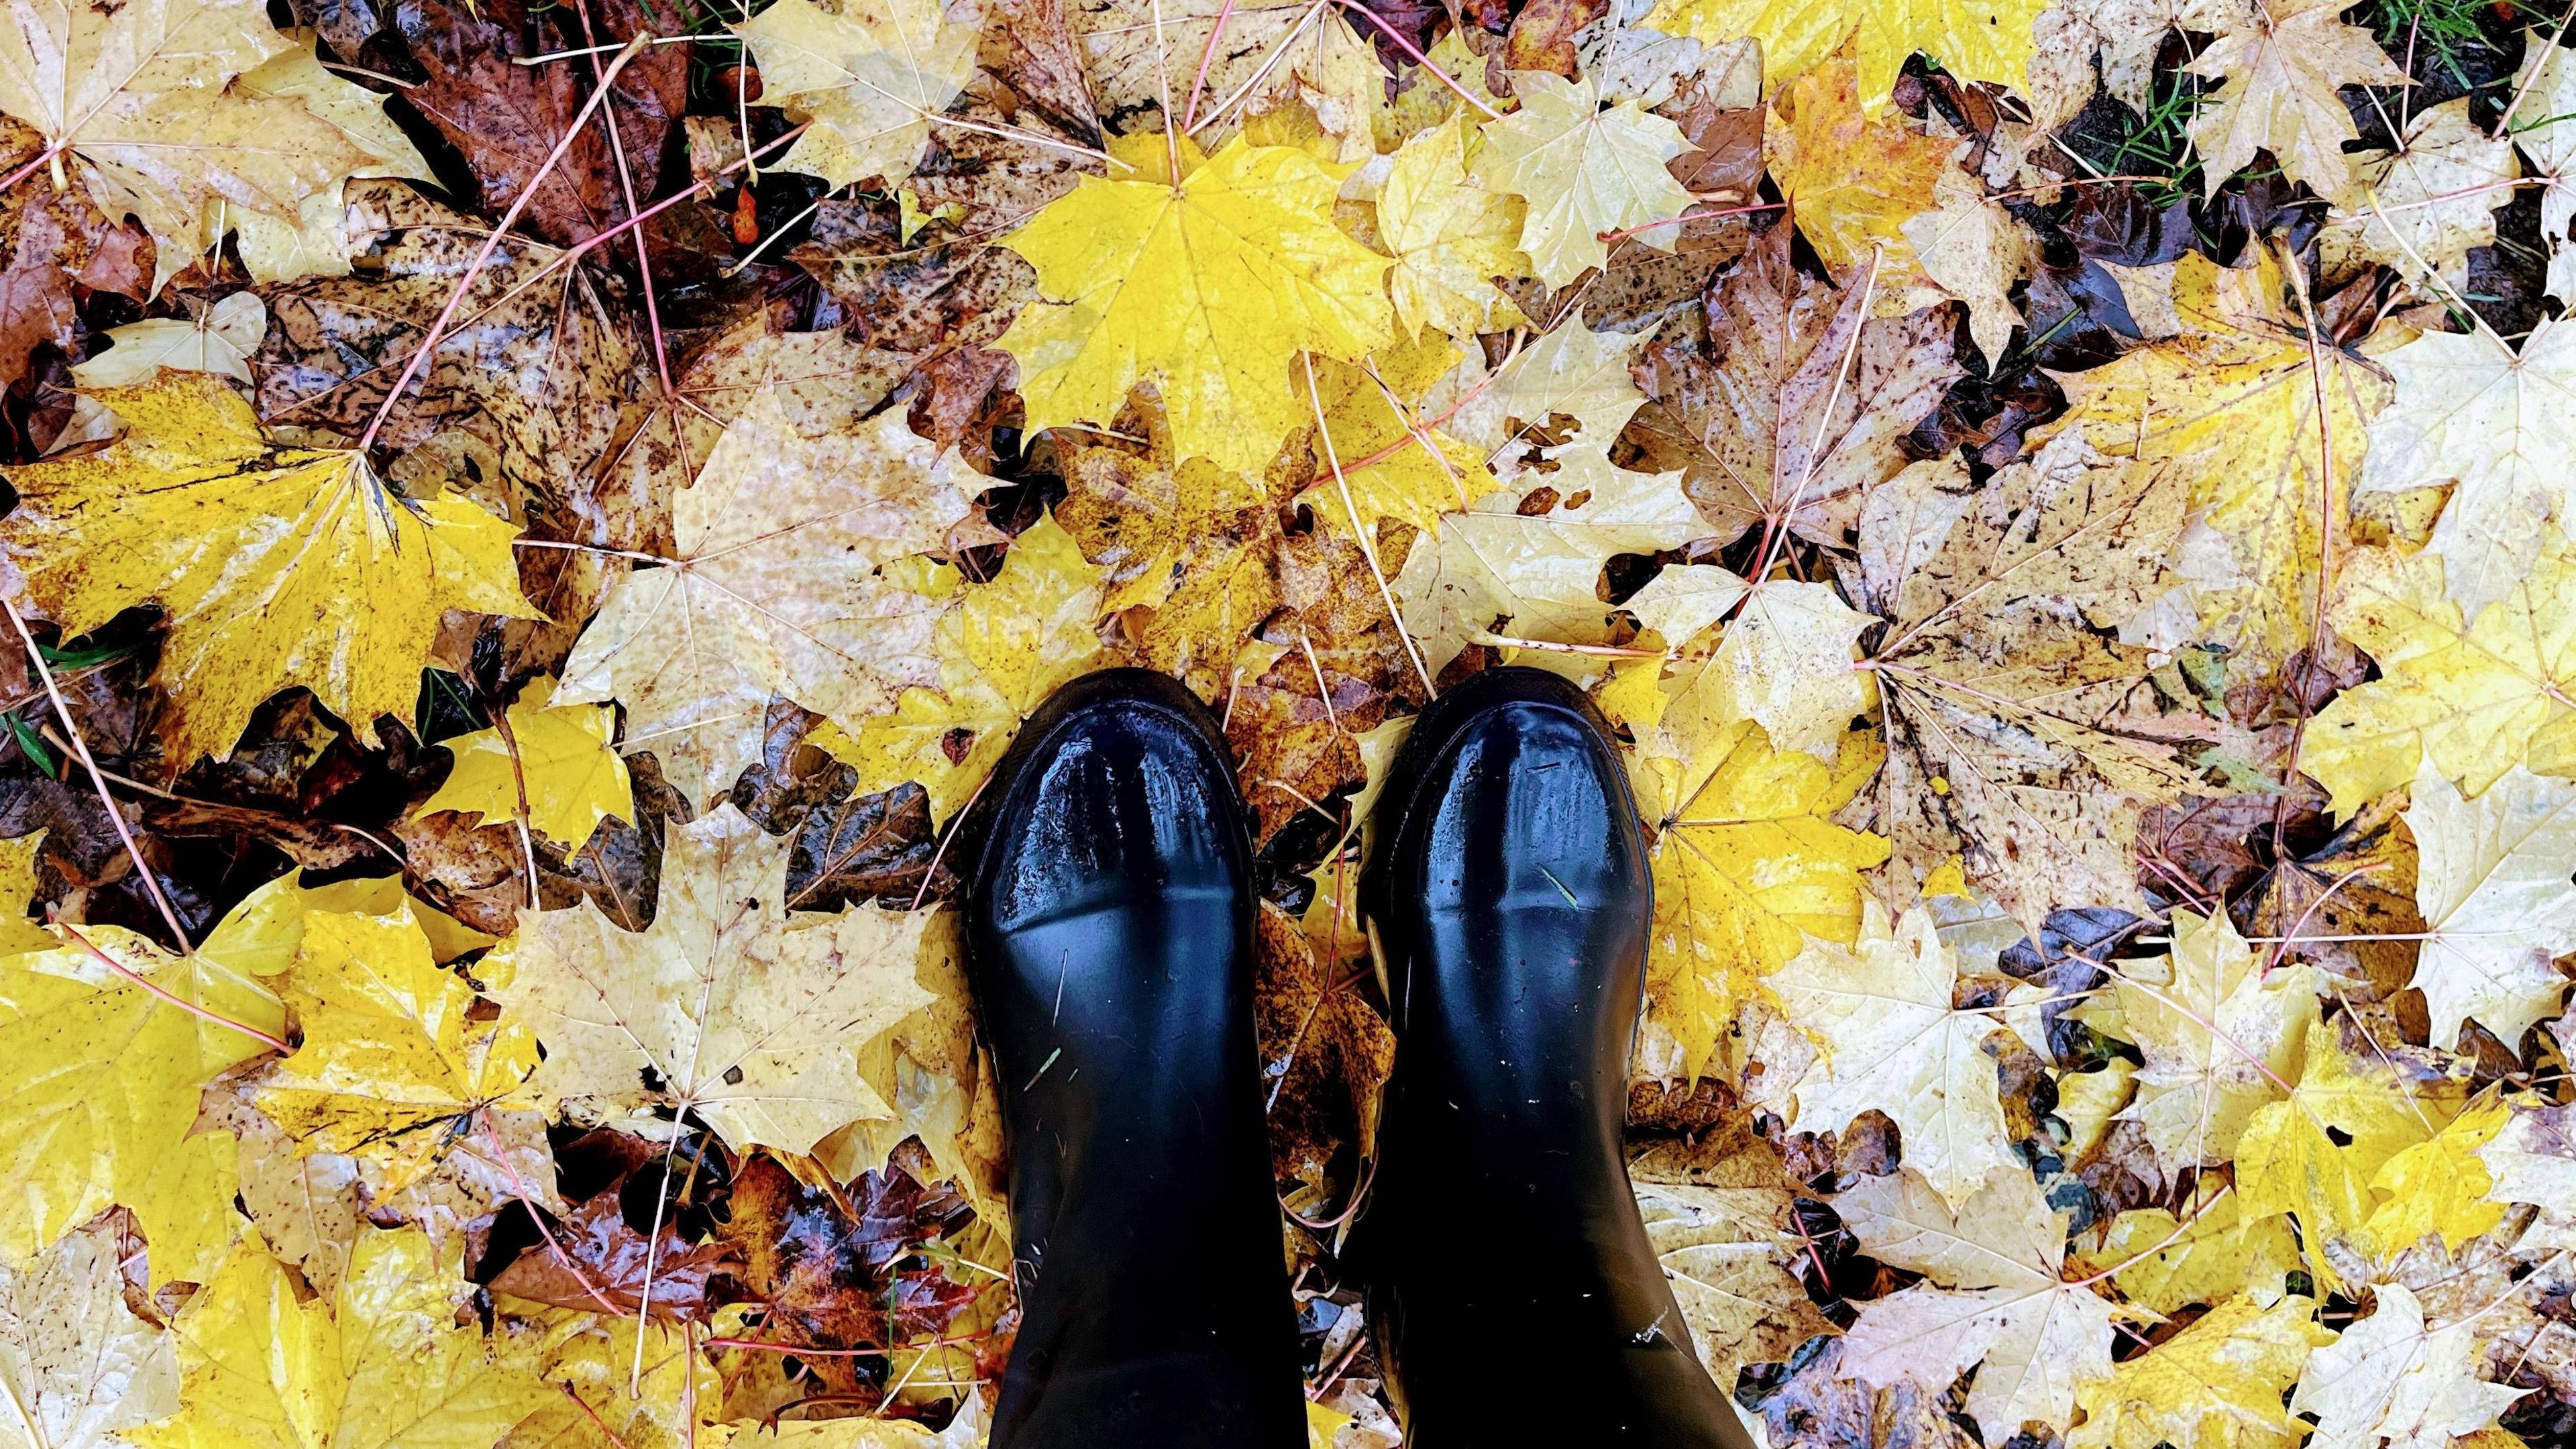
<point>1109,932</point>
<point>1512,1291</point>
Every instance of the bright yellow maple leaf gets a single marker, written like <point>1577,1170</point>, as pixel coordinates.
<point>2232,400</point>
<point>1003,647</point>
<point>1206,284</point>
<point>555,766</point>
<point>2316,1153</point>
<point>1584,170</point>
<point>1974,43</point>
<point>1851,180</point>
<point>1747,864</point>
<point>381,1363</point>
<point>2474,699</point>
<point>2440,1186</point>
<point>1450,237</point>
<point>1368,411</point>
<point>2165,1262</point>
<point>2215,1385</point>
<point>391,1064</point>
<point>274,566</point>
<point>100,1079</point>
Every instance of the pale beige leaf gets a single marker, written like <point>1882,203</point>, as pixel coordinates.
<point>77,1365</point>
<point>2493,885</point>
<point>1584,171</point>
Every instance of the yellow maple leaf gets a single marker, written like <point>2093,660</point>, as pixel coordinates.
<point>390,1065</point>
<point>1851,180</point>
<point>596,1396</point>
<point>1394,463</point>
<point>274,566</point>
<point>381,1363</point>
<point>1747,865</point>
<point>1974,43</point>
<point>2315,1153</point>
<point>1206,285</point>
<point>1583,170</point>
<point>726,1005</point>
<point>555,766</point>
<point>868,73</point>
<point>138,98</point>
<point>2165,1262</point>
<point>2217,1383</point>
<point>1003,648</point>
<point>2440,1186</point>
<point>100,1078</point>
<point>2474,699</point>
<point>2232,401</point>
<point>1450,237</point>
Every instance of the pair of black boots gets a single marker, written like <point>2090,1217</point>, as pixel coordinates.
<point>1512,1293</point>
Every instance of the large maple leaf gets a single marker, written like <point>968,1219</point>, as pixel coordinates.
<point>1584,170</point>
<point>1995,1299</point>
<point>2493,886</point>
<point>2472,697</point>
<point>1206,284</point>
<point>726,1005</point>
<point>2015,736</point>
<point>275,566</point>
<point>1979,43</point>
<point>2231,400</point>
<point>382,1363</point>
<point>136,95</point>
<point>2499,423</point>
<point>869,74</point>
<point>2278,73</point>
<point>779,587</point>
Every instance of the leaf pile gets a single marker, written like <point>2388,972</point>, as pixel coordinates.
<point>529,525</point>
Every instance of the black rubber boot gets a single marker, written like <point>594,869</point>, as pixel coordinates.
<point>1109,935</point>
<point>1510,892</point>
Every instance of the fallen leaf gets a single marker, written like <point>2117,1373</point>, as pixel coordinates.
<point>2219,1032</point>
<point>2471,699</point>
<point>1984,45</point>
<point>390,1069</point>
<point>2277,76</point>
<point>2389,1381</point>
<point>1748,866</point>
<point>2493,422</point>
<point>1531,574</point>
<point>2440,1186</point>
<point>1773,409</point>
<point>79,1367</point>
<point>1140,280</point>
<point>2231,399</point>
<point>1785,662</point>
<point>2494,888</point>
<point>1450,237</point>
<point>1003,647</point>
<point>1851,181</point>
<point>778,587</point>
<point>1994,1299</point>
<point>1583,170</point>
<point>2218,1382</point>
<point>868,74</point>
<point>316,240</point>
<point>2427,203</point>
<point>2010,721</point>
<point>555,767</point>
<point>382,1363</point>
<point>2215,1250</point>
<point>1723,1251</point>
<point>1890,1042</point>
<point>220,339</point>
<point>252,551</point>
<point>726,1006</point>
<point>1259,60</point>
<point>112,89</point>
